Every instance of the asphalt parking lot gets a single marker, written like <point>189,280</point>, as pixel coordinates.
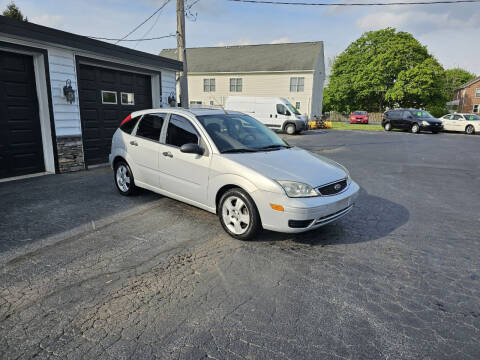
<point>90,274</point>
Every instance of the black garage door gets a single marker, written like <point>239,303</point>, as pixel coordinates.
<point>106,98</point>
<point>21,150</point>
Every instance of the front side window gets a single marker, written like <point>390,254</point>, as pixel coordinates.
<point>240,133</point>
<point>109,97</point>
<point>150,126</point>
<point>208,85</point>
<point>127,98</point>
<point>477,92</point>
<point>456,117</point>
<point>297,84</point>
<point>475,108</point>
<point>235,85</point>
<point>282,109</point>
<point>422,114</point>
<point>181,131</point>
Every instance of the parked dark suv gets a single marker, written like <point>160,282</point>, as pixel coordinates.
<point>411,119</point>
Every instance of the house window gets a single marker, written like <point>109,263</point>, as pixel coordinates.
<point>475,108</point>
<point>211,102</point>
<point>208,85</point>
<point>297,105</point>
<point>477,92</point>
<point>127,98</point>
<point>236,85</point>
<point>195,103</point>
<point>109,97</point>
<point>297,84</point>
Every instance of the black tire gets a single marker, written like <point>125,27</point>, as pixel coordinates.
<point>290,129</point>
<point>387,126</point>
<point>415,129</point>
<point>124,188</point>
<point>255,224</point>
<point>469,130</point>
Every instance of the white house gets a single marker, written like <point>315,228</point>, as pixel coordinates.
<point>295,71</point>
<point>63,95</point>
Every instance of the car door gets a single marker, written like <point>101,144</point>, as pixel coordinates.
<point>447,122</point>
<point>144,147</point>
<point>282,115</point>
<point>457,122</point>
<point>183,174</point>
<point>406,119</point>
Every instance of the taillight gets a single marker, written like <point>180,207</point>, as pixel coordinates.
<point>128,118</point>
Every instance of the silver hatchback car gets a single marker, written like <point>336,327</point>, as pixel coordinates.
<point>230,164</point>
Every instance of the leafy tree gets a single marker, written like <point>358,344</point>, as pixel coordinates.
<point>454,78</point>
<point>385,68</point>
<point>14,12</point>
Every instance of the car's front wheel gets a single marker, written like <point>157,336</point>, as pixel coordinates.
<point>124,178</point>
<point>290,129</point>
<point>469,130</point>
<point>387,126</point>
<point>239,215</point>
<point>415,129</point>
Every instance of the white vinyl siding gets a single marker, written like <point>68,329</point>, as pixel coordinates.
<point>169,85</point>
<point>62,68</point>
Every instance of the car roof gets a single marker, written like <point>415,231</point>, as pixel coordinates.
<point>183,111</point>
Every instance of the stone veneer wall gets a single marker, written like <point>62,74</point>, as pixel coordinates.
<point>70,153</point>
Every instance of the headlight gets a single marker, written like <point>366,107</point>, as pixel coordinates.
<point>297,189</point>
<point>426,123</point>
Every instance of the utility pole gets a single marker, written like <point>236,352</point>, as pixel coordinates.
<point>182,53</point>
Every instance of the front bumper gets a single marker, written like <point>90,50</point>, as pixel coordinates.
<point>431,127</point>
<point>309,213</point>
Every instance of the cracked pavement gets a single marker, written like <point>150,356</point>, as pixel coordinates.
<point>88,274</point>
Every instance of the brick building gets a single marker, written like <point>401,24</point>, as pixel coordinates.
<point>466,98</point>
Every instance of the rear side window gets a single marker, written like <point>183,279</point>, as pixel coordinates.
<point>129,125</point>
<point>180,131</point>
<point>151,126</point>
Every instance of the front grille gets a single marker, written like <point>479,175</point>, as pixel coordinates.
<point>333,188</point>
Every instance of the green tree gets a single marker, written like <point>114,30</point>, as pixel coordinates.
<point>12,11</point>
<point>365,75</point>
<point>454,78</point>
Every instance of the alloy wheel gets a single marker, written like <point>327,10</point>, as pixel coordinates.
<point>123,178</point>
<point>235,215</point>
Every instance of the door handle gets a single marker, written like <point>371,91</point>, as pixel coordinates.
<point>270,115</point>
<point>168,153</point>
<point>133,143</point>
<point>275,115</point>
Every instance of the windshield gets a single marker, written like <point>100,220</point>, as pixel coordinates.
<point>240,133</point>
<point>359,113</point>
<point>422,114</point>
<point>292,109</point>
<point>471,117</point>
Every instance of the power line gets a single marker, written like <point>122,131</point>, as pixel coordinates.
<point>355,4</point>
<point>142,39</point>
<point>143,22</point>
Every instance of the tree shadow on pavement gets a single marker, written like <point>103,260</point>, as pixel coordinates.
<point>371,218</point>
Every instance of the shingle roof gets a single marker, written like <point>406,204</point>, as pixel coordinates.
<point>467,84</point>
<point>248,58</point>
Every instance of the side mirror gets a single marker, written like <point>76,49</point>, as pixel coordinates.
<point>288,113</point>
<point>192,148</point>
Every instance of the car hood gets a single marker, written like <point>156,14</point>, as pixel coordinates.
<point>294,164</point>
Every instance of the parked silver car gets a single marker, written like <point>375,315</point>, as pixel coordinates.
<point>230,164</point>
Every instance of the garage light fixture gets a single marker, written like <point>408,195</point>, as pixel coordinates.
<point>69,92</point>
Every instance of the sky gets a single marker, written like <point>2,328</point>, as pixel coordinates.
<point>450,32</point>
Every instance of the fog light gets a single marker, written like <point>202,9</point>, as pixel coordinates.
<point>277,207</point>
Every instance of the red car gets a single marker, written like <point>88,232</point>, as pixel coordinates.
<point>359,117</point>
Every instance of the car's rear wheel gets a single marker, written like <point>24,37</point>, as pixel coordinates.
<point>415,129</point>
<point>124,178</point>
<point>387,126</point>
<point>239,215</point>
<point>469,130</point>
<point>290,129</point>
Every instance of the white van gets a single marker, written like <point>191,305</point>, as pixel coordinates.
<point>275,112</point>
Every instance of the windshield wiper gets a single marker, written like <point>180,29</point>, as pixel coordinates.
<point>274,147</point>
<point>238,151</point>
